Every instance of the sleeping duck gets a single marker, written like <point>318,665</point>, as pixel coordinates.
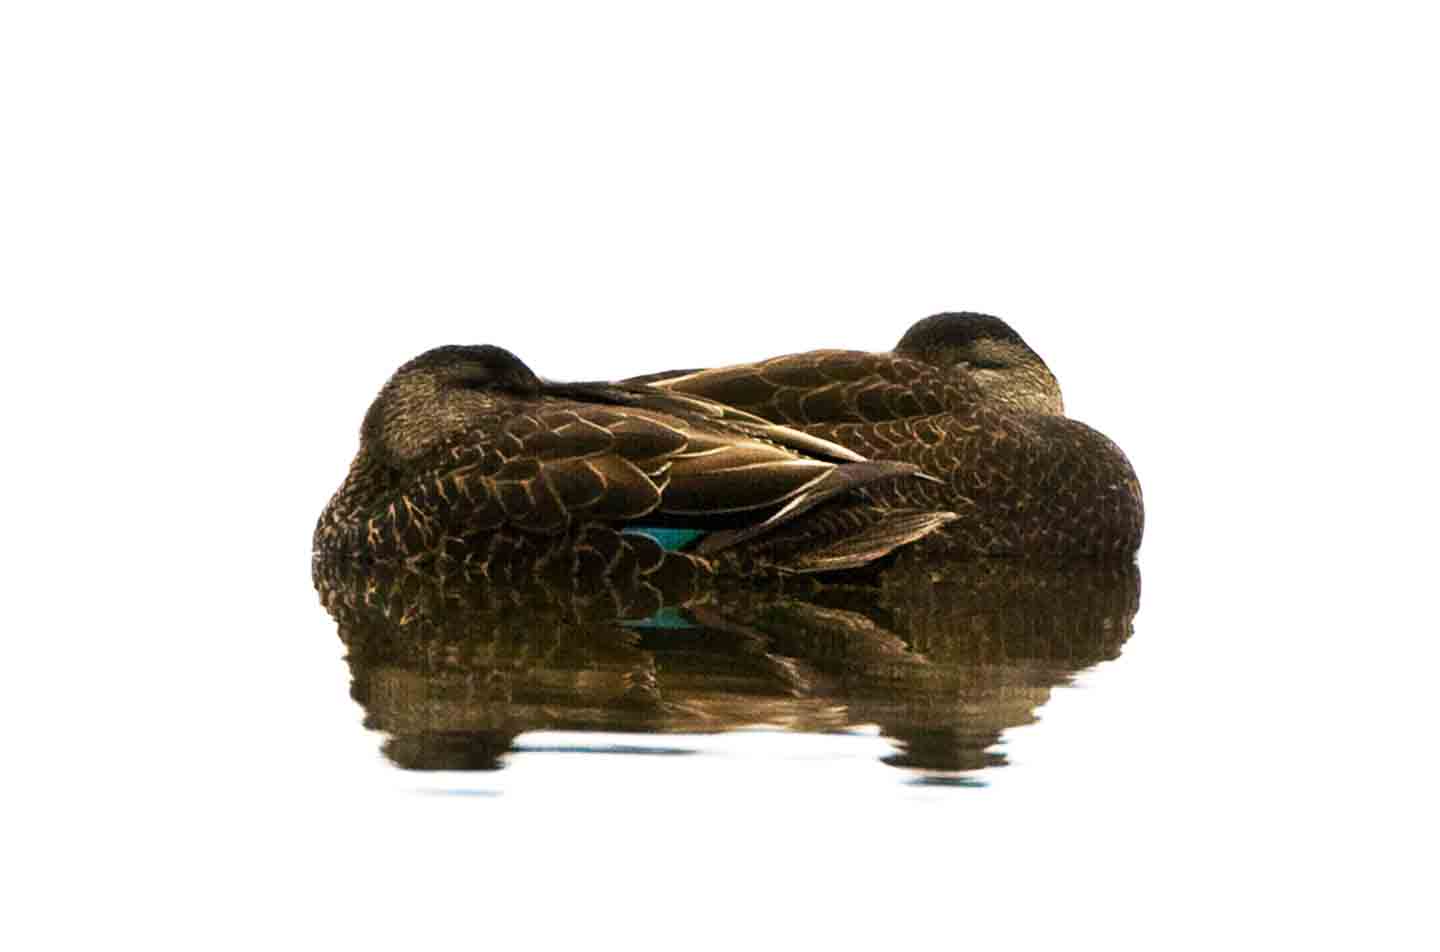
<point>469,462</point>
<point>964,398</point>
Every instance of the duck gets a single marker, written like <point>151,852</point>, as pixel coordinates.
<point>471,463</point>
<point>963,397</point>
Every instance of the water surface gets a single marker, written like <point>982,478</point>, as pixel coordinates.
<point>937,659</point>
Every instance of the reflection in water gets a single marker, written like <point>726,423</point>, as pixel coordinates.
<point>943,656</point>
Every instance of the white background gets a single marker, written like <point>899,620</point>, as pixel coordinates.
<point>222,226</point>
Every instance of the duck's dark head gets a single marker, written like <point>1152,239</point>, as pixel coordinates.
<point>439,395</point>
<point>990,351</point>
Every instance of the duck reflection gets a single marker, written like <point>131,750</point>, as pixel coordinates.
<point>943,656</point>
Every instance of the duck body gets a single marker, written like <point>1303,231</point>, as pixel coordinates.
<point>470,463</point>
<point>965,399</point>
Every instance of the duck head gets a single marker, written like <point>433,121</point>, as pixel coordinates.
<point>438,395</point>
<point>990,351</point>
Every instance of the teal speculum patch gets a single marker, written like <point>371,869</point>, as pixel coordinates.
<point>669,618</point>
<point>671,540</point>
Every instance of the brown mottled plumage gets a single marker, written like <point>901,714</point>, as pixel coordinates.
<point>470,464</point>
<point>963,398</point>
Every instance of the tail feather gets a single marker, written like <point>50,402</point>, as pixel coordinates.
<point>897,528</point>
<point>842,479</point>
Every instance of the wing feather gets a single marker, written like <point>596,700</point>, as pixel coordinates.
<point>827,387</point>
<point>565,460</point>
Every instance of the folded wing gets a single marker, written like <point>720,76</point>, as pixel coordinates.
<point>621,464</point>
<point>823,387</point>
